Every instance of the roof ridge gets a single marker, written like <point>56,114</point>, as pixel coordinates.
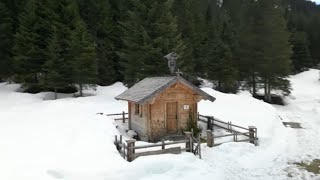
<point>150,86</point>
<point>160,77</point>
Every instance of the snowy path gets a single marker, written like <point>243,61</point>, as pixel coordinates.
<point>304,107</point>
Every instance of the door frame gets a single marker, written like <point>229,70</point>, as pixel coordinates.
<point>178,116</point>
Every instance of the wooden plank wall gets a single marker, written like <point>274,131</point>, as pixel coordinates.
<point>140,123</point>
<point>151,126</point>
<point>180,94</point>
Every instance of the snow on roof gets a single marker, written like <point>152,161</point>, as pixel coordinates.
<point>150,87</point>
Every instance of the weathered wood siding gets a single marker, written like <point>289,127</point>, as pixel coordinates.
<point>140,123</point>
<point>176,93</point>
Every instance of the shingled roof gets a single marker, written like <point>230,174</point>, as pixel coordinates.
<point>148,88</point>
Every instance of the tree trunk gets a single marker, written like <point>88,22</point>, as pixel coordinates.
<point>219,85</point>
<point>269,93</point>
<point>254,87</point>
<point>80,89</point>
<point>55,93</point>
<point>265,89</point>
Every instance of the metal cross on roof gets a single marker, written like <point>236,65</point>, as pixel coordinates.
<point>178,73</point>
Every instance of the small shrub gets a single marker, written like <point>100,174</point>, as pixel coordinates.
<point>33,89</point>
<point>192,125</point>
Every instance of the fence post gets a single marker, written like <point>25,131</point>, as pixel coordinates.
<point>130,150</point>
<point>209,138</point>
<point>209,123</point>
<point>199,150</point>
<point>116,141</point>
<point>120,142</point>
<point>123,117</point>
<point>230,126</point>
<point>212,123</point>
<point>191,143</point>
<point>163,145</point>
<point>253,135</point>
<point>129,121</point>
<point>188,137</point>
<point>124,150</point>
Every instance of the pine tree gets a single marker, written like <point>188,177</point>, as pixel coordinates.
<point>56,68</point>
<point>313,30</point>
<point>84,64</point>
<point>277,51</point>
<point>191,20</point>
<point>304,16</point>
<point>6,36</point>
<point>15,8</point>
<point>63,49</point>
<point>183,10</point>
<point>150,33</point>
<point>100,17</point>
<point>221,65</point>
<point>31,42</point>
<point>250,49</point>
<point>301,57</point>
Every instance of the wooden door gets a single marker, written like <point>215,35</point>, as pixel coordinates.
<point>172,117</point>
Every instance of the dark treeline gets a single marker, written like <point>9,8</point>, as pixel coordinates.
<point>53,45</point>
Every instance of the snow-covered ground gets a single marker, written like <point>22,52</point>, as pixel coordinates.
<point>44,139</point>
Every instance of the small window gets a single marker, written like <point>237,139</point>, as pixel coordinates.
<point>138,110</point>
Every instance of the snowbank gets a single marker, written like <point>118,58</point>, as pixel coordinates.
<point>241,109</point>
<point>44,139</point>
<point>66,139</point>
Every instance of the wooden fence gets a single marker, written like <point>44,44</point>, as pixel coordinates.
<point>129,150</point>
<point>124,116</point>
<point>234,131</point>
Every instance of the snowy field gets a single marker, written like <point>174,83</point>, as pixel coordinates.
<point>43,139</point>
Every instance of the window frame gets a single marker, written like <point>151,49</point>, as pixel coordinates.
<point>138,109</point>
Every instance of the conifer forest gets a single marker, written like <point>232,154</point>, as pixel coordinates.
<point>62,44</point>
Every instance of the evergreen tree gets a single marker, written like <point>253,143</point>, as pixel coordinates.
<point>221,44</point>
<point>100,17</point>
<point>250,49</point>
<point>225,41</point>
<point>6,36</point>
<point>15,8</point>
<point>56,68</point>
<point>183,10</point>
<point>301,57</point>
<point>313,29</point>
<point>63,49</point>
<point>31,42</point>
<point>304,16</point>
<point>276,51</point>
<point>150,34</point>
<point>84,63</point>
<point>191,20</point>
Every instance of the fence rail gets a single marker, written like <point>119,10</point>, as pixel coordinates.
<point>123,118</point>
<point>192,144</point>
<point>250,132</point>
<point>128,149</point>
